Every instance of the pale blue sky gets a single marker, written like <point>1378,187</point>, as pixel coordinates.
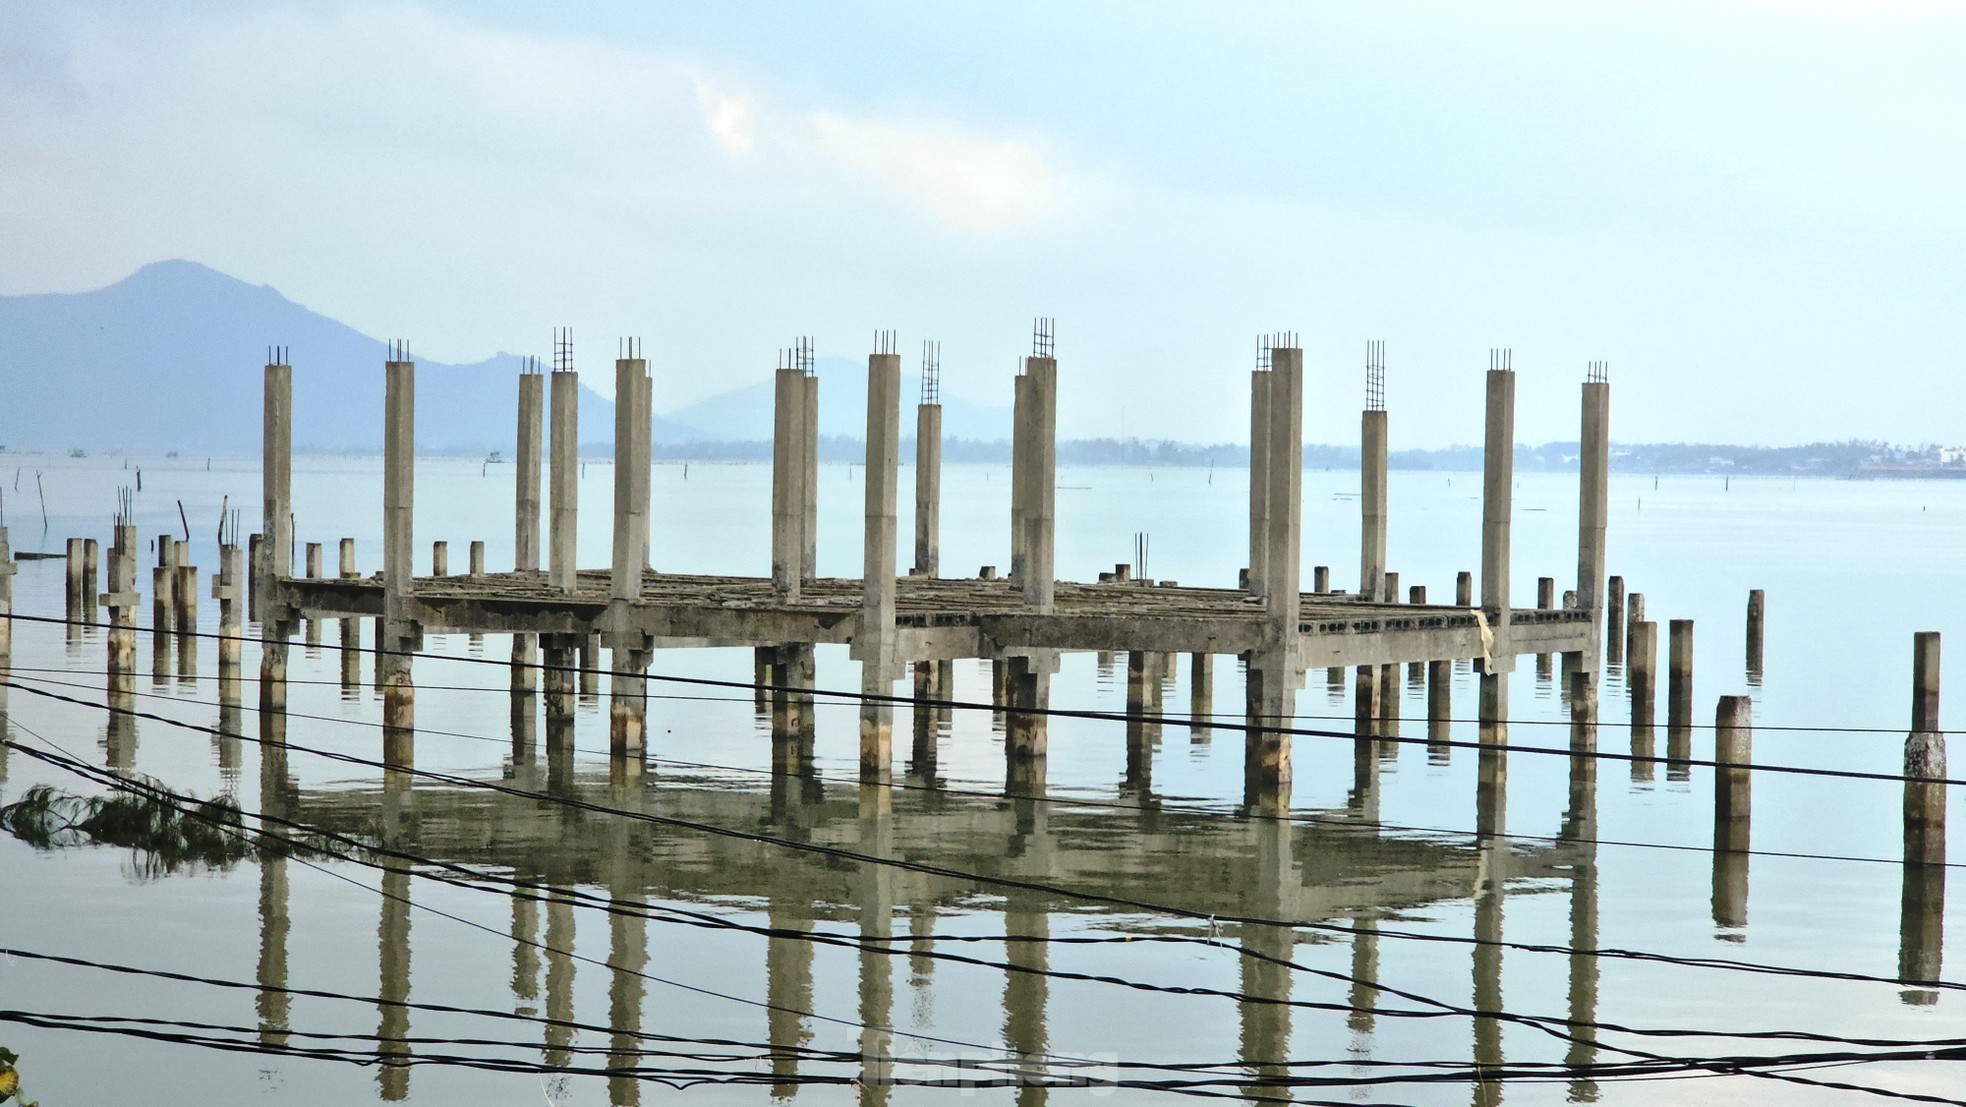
<point>1756,210</point>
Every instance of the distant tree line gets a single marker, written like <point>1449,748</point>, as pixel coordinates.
<point>1814,459</point>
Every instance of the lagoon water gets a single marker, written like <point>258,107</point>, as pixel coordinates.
<point>1373,866</point>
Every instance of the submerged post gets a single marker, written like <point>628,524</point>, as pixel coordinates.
<point>1615,634</point>
<point>874,642</point>
<point>1679,676</point>
<point>1925,758</point>
<point>1497,494</point>
<point>1757,606</point>
<point>1593,491</point>
<point>1732,745</point>
<point>399,639</point>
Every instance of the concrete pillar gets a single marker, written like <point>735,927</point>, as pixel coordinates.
<point>1415,671</point>
<point>525,510</point>
<point>1593,491</point>
<point>809,482</point>
<point>1679,676</point>
<point>557,677</point>
<point>1201,693</point>
<point>874,641</point>
<point>1440,708</point>
<point>1757,605</point>
<point>1464,589</point>
<point>1545,601</point>
<point>1733,735</point>
<point>276,471</point>
<point>928,489</point>
<point>563,477</point>
<point>440,558</point>
<point>1273,668</point>
<point>228,588</point>
<point>121,599</point>
<point>1026,690</point>
<point>399,638</point>
<point>1925,758</point>
<point>788,475</point>
<point>75,588</point>
<point>1615,633</point>
<point>91,565</point>
<point>1640,665</point>
<point>1372,507</point>
<point>184,596</point>
<point>1497,496</point>
<point>256,562</point>
<point>7,570</point>
<point>475,563</point>
<point>629,647</point>
<point>589,664</point>
<point>631,474</point>
<point>1634,615</point>
<point>1036,489</point>
<point>1144,705</point>
<point>351,629</point>
<point>1259,479</point>
<point>1321,579</point>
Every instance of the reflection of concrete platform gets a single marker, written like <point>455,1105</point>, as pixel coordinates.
<point>938,618</point>
<point>1206,862</point>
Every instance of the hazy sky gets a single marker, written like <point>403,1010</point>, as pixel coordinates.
<point>1756,211</point>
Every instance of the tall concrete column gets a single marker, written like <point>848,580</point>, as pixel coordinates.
<point>1259,479</point>
<point>1593,477</point>
<point>1369,690</point>
<point>629,647</point>
<point>809,483</point>
<point>526,502</point>
<point>874,642</point>
<point>563,475</point>
<point>788,474</point>
<point>928,488</point>
<point>1020,462</point>
<point>1039,486</point>
<point>399,637</point>
<point>1273,668</point>
<point>276,549</point>
<point>1497,494</point>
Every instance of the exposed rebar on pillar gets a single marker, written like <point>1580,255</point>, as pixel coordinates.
<point>1273,672</point>
<point>928,465</point>
<point>563,469</point>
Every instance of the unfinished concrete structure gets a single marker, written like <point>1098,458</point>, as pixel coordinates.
<point>888,619</point>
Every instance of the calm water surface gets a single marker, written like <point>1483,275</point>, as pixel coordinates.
<point>1376,856</point>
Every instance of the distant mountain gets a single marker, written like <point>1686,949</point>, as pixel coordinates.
<point>169,359</point>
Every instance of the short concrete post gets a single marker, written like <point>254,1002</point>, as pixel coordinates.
<point>75,588</point>
<point>589,664</point>
<point>1757,606</point>
<point>91,565</point>
<point>351,629</point>
<point>1321,579</point>
<point>1634,615</point>
<point>1440,709</point>
<point>1614,621</point>
<point>256,564</point>
<point>1388,716</point>
<point>477,556</point>
<point>440,558</point>
<point>1679,676</point>
<point>1733,737</point>
<point>7,570</point>
<point>1464,589</point>
<point>1546,593</point>
<point>185,617</point>
<point>312,627</point>
<point>1201,693</point>
<point>228,588</point>
<point>1921,939</point>
<point>1641,664</point>
<point>1415,670</point>
<point>1925,758</point>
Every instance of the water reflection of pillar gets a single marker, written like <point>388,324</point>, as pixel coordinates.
<point>559,978</point>
<point>627,954</point>
<point>876,928</point>
<point>1265,1030</point>
<point>1579,833</point>
<point>788,989</point>
<point>924,719</point>
<point>273,1005</point>
<point>525,952</point>
<point>1365,978</point>
<point>1491,880</point>
<point>1026,995</point>
<point>393,1077</point>
<point>1143,698</point>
